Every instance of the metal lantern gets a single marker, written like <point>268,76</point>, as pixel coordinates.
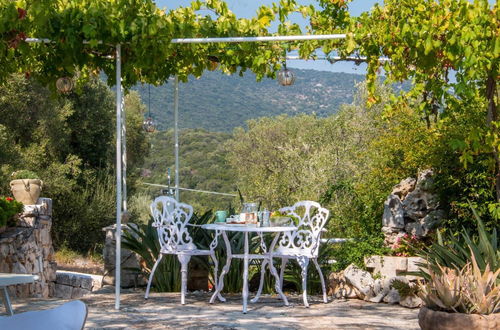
<point>149,125</point>
<point>64,84</point>
<point>286,77</point>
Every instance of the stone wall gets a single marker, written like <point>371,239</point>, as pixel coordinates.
<point>27,249</point>
<point>129,278</point>
<point>73,285</point>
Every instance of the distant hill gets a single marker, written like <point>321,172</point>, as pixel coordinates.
<point>217,102</point>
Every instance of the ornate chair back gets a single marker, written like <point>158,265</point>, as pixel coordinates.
<point>311,220</point>
<point>171,219</point>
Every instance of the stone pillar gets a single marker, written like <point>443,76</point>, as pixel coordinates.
<point>27,249</point>
<point>129,278</point>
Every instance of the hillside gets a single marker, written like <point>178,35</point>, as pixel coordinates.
<point>217,102</point>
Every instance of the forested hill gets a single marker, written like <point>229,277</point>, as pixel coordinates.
<point>218,102</point>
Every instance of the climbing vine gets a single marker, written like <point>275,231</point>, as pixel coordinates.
<point>84,33</point>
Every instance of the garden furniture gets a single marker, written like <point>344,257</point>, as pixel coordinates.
<point>246,256</point>
<point>69,316</point>
<point>7,279</point>
<point>171,219</point>
<point>301,244</point>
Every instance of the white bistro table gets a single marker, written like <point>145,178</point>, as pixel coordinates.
<point>246,256</point>
<point>7,279</point>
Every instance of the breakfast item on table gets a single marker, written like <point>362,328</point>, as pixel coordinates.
<point>234,220</point>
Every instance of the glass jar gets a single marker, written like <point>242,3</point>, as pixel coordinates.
<point>249,213</point>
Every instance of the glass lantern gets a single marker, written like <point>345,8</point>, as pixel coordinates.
<point>64,84</point>
<point>286,77</point>
<point>149,125</point>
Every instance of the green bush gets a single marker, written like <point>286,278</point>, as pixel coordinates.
<point>8,209</point>
<point>354,251</point>
<point>24,174</point>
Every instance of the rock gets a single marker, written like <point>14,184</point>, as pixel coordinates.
<point>425,180</point>
<point>338,287</point>
<point>392,297</point>
<point>19,268</point>
<point>63,291</point>
<point>411,302</point>
<point>418,204</point>
<point>432,220</point>
<point>393,213</point>
<point>387,266</point>
<point>412,267</point>
<point>360,279</point>
<point>129,260</point>
<point>415,229</point>
<point>404,187</point>
<point>379,291</point>
<point>79,292</point>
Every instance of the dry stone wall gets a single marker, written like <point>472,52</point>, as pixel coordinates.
<point>27,249</point>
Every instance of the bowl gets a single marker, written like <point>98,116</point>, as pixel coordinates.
<point>280,221</point>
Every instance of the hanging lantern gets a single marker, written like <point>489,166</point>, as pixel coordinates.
<point>64,84</point>
<point>149,125</point>
<point>286,77</point>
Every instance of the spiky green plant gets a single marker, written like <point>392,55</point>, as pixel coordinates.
<point>467,290</point>
<point>455,252</point>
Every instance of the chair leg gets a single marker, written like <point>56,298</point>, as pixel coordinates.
<point>315,261</point>
<point>282,271</point>
<point>304,262</point>
<point>146,296</point>
<point>261,283</point>
<point>184,260</point>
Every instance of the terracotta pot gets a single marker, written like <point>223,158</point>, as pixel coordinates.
<point>26,191</point>
<point>435,320</point>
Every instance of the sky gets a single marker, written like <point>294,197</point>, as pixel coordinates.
<point>248,8</point>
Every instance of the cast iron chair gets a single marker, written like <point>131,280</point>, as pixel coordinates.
<point>171,219</point>
<point>301,244</point>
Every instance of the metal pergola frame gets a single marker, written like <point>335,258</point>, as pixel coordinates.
<point>121,152</point>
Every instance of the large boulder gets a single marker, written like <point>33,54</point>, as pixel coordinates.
<point>404,187</point>
<point>393,213</point>
<point>360,279</point>
<point>419,203</point>
<point>339,288</point>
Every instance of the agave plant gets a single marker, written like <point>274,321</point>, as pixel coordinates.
<point>443,290</point>
<point>468,290</point>
<point>481,292</point>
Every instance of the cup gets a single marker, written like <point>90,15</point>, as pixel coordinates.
<point>220,216</point>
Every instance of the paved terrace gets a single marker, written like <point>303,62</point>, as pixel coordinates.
<point>163,311</point>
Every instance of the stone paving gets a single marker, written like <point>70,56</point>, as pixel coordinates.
<point>163,311</point>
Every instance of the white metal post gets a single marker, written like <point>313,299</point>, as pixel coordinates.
<point>176,135</point>
<point>124,152</point>
<point>118,232</point>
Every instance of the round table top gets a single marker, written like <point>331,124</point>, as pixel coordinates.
<point>247,228</point>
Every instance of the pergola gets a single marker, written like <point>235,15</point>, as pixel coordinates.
<point>121,148</point>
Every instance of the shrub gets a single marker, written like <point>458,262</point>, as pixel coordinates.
<point>8,209</point>
<point>24,174</point>
<point>354,251</point>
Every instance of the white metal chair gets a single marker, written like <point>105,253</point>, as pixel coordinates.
<point>69,316</point>
<point>301,244</point>
<point>171,219</point>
